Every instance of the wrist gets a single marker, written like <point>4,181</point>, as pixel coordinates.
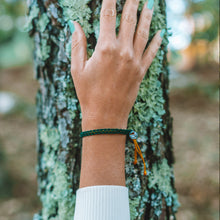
<point>107,150</point>
<point>90,122</point>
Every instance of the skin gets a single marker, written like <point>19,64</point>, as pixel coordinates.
<point>107,86</point>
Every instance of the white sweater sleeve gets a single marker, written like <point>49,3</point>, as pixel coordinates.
<point>102,202</point>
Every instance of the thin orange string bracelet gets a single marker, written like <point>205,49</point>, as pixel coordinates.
<point>133,136</point>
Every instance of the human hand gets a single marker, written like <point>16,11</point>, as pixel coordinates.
<point>107,84</point>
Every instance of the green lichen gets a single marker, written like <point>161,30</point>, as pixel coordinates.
<point>160,177</point>
<point>37,217</point>
<point>175,203</point>
<point>144,200</point>
<point>65,97</point>
<point>77,11</point>
<point>50,137</point>
<point>63,192</point>
<point>96,28</point>
<point>43,22</point>
<point>43,52</point>
<point>149,106</point>
<point>33,13</point>
<point>64,132</point>
<point>133,204</point>
<point>156,203</point>
<point>68,48</point>
<point>58,195</point>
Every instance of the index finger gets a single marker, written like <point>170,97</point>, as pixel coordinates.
<point>108,20</point>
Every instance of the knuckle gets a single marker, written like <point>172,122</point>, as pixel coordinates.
<point>109,12</point>
<point>126,55</point>
<point>129,18</point>
<point>107,48</point>
<point>148,17</point>
<point>137,64</point>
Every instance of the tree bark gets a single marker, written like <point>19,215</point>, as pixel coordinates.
<point>59,116</point>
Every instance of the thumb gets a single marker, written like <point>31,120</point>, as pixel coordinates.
<point>78,47</point>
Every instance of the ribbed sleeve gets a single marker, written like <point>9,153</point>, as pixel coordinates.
<point>102,202</point>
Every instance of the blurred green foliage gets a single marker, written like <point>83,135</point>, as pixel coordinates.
<point>206,16</point>
<point>15,45</point>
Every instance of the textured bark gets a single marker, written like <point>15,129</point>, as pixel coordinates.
<point>59,115</point>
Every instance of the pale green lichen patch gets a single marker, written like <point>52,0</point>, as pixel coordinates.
<point>64,132</point>
<point>63,192</point>
<point>77,11</point>
<point>37,217</point>
<point>133,204</point>
<point>160,177</point>
<point>144,200</point>
<point>43,22</point>
<point>50,137</point>
<point>58,197</point>
<point>65,98</point>
<point>43,52</point>
<point>149,106</point>
<point>33,13</point>
<point>156,203</point>
<point>68,48</point>
<point>51,140</point>
<point>135,210</point>
<point>175,203</point>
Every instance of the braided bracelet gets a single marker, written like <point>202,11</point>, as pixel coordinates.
<point>132,134</point>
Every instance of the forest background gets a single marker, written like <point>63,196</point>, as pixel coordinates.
<point>194,95</point>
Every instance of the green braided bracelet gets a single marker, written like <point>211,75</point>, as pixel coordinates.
<point>132,134</point>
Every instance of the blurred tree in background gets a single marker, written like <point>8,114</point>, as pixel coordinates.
<point>205,13</point>
<point>194,25</point>
<point>15,45</point>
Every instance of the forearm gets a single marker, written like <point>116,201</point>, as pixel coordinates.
<point>103,155</point>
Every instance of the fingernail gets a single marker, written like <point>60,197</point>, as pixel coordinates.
<point>150,4</point>
<point>162,33</point>
<point>71,26</point>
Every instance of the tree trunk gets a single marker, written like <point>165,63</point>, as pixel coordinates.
<point>59,116</point>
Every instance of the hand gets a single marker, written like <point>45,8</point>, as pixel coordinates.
<point>107,84</point>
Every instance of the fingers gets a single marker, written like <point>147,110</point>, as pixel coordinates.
<point>78,48</point>
<point>142,32</point>
<point>152,49</point>
<point>128,23</point>
<point>108,20</point>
